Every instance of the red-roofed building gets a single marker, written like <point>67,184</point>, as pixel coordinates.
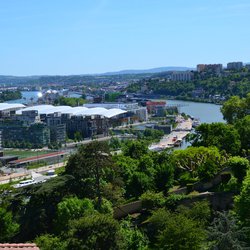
<point>154,106</point>
<point>19,246</point>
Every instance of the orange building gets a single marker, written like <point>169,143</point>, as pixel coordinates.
<point>153,106</point>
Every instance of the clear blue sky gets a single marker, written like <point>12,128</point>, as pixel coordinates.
<point>93,36</point>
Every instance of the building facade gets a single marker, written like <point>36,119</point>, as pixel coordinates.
<point>235,65</point>
<point>181,76</point>
<point>210,68</point>
<point>15,133</point>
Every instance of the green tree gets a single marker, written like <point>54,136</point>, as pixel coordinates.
<point>198,211</point>
<point>40,211</point>
<point>97,231</point>
<point>239,167</point>
<point>70,209</point>
<point>48,242</point>
<point>8,227</point>
<point>152,200</point>
<point>69,101</point>
<point>221,135</point>
<point>242,201</point>
<point>233,109</point>
<point>138,184</point>
<point>226,234</point>
<point>115,143</point>
<point>77,136</point>
<point>243,127</point>
<point>91,166</point>
<point>134,239</point>
<point>135,149</point>
<point>176,231</point>
<point>164,170</point>
<point>200,162</point>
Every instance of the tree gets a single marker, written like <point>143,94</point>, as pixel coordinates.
<point>97,231</point>
<point>48,242</point>
<point>40,211</point>
<point>175,231</point>
<point>135,149</point>
<point>138,184</point>
<point>243,127</point>
<point>239,167</point>
<point>70,209</point>
<point>200,162</point>
<point>115,143</point>
<point>164,175</point>
<point>8,227</point>
<point>221,135</point>
<point>90,166</point>
<point>225,233</point>
<point>77,136</point>
<point>69,101</point>
<point>235,108</point>
<point>152,200</point>
<point>242,201</point>
<point>199,211</point>
<point>134,239</point>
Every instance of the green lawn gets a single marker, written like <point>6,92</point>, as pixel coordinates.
<point>25,153</point>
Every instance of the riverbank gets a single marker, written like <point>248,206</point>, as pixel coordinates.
<point>176,137</point>
<point>191,99</point>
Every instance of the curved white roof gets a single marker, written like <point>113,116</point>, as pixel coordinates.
<point>6,106</point>
<point>78,111</point>
<point>113,112</point>
<point>41,109</point>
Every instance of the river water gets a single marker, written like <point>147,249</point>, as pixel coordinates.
<point>28,96</point>
<point>206,112</point>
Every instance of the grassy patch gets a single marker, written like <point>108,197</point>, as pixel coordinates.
<point>25,153</point>
<point>59,171</point>
<point>37,165</point>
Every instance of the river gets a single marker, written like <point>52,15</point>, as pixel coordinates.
<point>27,96</point>
<point>206,112</point>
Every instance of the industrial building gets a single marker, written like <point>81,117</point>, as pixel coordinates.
<point>7,109</point>
<point>66,120</point>
<point>41,125</point>
<point>134,111</point>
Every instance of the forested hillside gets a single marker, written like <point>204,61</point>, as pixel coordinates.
<point>200,88</point>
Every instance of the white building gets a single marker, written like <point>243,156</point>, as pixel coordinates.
<point>181,76</point>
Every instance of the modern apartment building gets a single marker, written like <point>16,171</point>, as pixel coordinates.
<point>181,76</point>
<point>210,68</point>
<point>235,65</point>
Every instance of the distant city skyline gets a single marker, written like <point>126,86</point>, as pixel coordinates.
<point>63,37</point>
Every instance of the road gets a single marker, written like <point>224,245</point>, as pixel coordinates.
<point>21,173</point>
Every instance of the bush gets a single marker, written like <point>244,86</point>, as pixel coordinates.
<point>152,200</point>
<point>173,199</point>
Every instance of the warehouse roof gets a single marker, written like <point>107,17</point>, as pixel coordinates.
<point>78,111</point>
<point>7,106</point>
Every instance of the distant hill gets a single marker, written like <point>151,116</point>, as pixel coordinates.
<point>148,71</point>
<point>102,77</point>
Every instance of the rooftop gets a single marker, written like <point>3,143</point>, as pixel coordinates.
<point>18,246</point>
<point>8,106</point>
<point>78,111</point>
